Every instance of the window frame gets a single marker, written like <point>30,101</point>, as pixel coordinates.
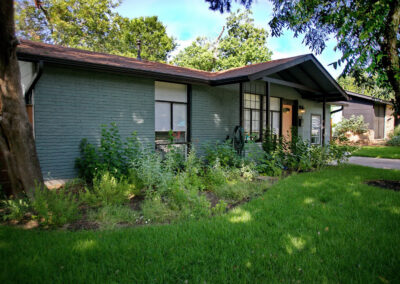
<point>187,103</point>
<point>260,110</point>
<point>319,129</point>
<point>171,124</point>
<point>280,116</point>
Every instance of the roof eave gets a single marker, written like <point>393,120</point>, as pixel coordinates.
<point>113,69</point>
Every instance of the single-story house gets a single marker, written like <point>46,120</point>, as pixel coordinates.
<point>377,113</point>
<point>70,93</point>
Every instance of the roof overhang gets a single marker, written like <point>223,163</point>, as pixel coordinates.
<point>308,76</point>
<point>368,98</point>
<point>304,73</point>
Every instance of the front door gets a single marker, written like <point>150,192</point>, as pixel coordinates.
<point>287,116</point>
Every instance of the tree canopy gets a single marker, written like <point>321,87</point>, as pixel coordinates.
<point>240,43</point>
<point>367,87</point>
<point>367,33</point>
<point>93,25</point>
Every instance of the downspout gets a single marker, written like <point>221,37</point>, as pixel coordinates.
<point>337,110</point>
<point>38,74</point>
<point>332,112</point>
<point>323,120</point>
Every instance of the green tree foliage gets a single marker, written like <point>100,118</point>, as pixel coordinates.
<point>240,45</point>
<point>156,44</point>
<point>367,32</point>
<point>368,87</point>
<point>93,25</point>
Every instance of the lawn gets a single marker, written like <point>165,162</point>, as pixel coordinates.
<point>389,152</point>
<point>325,226</point>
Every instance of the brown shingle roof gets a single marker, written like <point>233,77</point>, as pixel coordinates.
<point>30,50</point>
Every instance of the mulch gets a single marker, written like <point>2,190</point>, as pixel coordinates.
<point>386,184</point>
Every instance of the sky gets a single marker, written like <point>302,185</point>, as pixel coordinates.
<point>188,19</point>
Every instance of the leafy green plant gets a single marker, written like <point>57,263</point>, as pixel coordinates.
<point>394,141</point>
<point>110,216</point>
<point>156,211</point>
<point>240,190</point>
<point>354,124</point>
<point>108,190</point>
<point>270,164</point>
<point>224,153</point>
<point>298,155</point>
<point>15,209</point>
<point>113,155</point>
<point>54,208</point>
<point>270,142</point>
<point>395,132</point>
<point>220,208</point>
<point>340,153</point>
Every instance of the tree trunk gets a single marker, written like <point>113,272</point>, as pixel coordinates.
<point>16,136</point>
<point>390,47</point>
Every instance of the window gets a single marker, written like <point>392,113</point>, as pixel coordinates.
<point>275,115</point>
<point>251,115</point>
<point>315,129</point>
<point>252,111</point>
<point>170,112</point>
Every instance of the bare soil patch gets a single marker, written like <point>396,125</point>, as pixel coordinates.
<point>387,184</point>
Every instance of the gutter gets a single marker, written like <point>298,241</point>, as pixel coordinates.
<point>115,69</point>
<point>337,110</point>
<point>38,74</point>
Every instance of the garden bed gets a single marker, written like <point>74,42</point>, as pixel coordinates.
<point>86,221</point>
<point>126,184</point>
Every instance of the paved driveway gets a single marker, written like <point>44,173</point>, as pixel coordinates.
<point>376,162</point>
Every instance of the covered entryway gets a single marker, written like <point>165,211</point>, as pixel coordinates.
<point>287,119</point>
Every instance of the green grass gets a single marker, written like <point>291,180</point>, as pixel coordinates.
<point>389,152</point>
<point>324,226</point>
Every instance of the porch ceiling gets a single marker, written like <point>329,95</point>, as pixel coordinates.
<point>309,78</point>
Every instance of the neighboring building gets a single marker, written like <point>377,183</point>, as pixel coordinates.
<point>376,112</point>
<point>71,92</point>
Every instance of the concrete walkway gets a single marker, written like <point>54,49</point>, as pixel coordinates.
<point>376,162</point>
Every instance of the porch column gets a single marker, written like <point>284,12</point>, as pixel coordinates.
<point>323,119</point>
<point>189,114</point>
<point>241,105</point>
<point>268,96</point>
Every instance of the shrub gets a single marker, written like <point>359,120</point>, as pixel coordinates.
<point>270,142</point>
<point>224,153</point>
<point>215,175</point>
<point>113,155</point>
<point>394,141</point>
<point>396,132</point>
<point>193,172</point>
<point>189,204</point>
<point>340,153</point>
<point>299,155</point>
<point>107,190</point>
<point>220,208</point>
<point>355,125</point>
<point>152,172</point>
<point>15,209</point>
<point>270,164</point>
<point>156,211</point>
<point>54,208</point>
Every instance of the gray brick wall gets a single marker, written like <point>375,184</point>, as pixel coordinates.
<point>215,112</point>
<point>72,104</point>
